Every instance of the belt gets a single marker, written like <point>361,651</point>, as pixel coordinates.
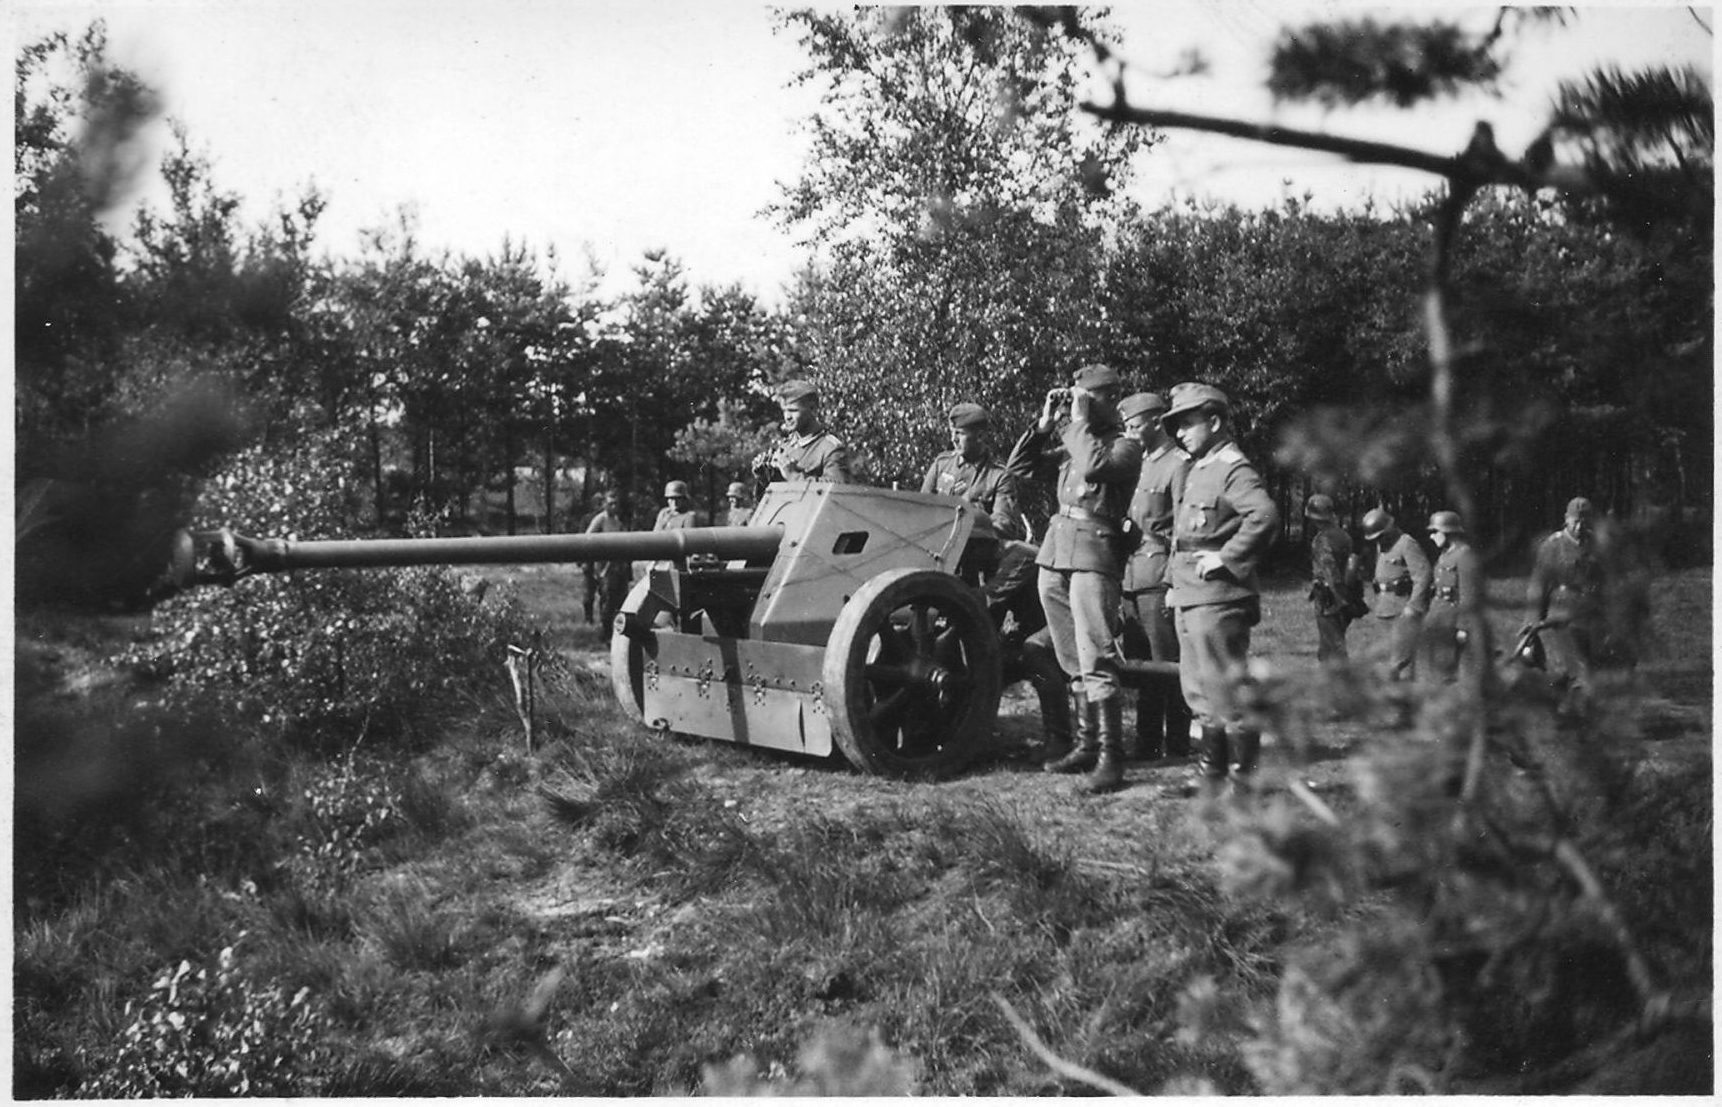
<point>1070,511</point>
<point>1400,587</point>
<point>1185,545</point>
<point>1451,595</point>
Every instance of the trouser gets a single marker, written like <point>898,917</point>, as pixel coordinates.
<point>614,584</point>
<point>1330,636</point>
<point>1082,614</point>
<point>1011,588</point>
<point>1403,633</point>
<point>1567,653</point>
<point>1034,661</point>
<point>1213,647</point>
<point>1162,716</point>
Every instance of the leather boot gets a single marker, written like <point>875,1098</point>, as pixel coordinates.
<point>1054,718</point>
<point>1178,726</point>
<point>1247,752</point>
<point>1086,752</point>
<point>1108,773</point>
<point>1213,760</point>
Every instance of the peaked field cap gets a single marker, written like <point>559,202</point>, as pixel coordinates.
<point>676,488</point>
<point>790,391</point>
<point>1376,522</point>
<point>1580,508</point>
<point>969,415</point>
<point>1141,403</point>
<point>1320,508</point>
<point>1447,522</point>
<point>1192,396</point>
<point>1096,376</point>
<point>736,490</point>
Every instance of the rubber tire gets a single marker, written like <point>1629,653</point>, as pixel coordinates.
<point>962,719</point>
<point>628,658</point>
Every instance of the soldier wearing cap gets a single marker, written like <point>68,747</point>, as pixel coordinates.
<point>1333,575</point>
<point>1223,526</point>
<point>1081,559</point>
<point>739,511</point>
<point>676,515</point>
<point>1455,635</point>
<point>1401,587</point>
<point>1564,599</point>
<point>1162,716</point>
<point>969,470</point>
<point>806,451</point>
<point>607,581</point>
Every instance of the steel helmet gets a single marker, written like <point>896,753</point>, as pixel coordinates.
<point>736,490</point>
<point>676,488</point>
<point>1320,508</point>
<point>1447,522</point>
<point>1376,522</point>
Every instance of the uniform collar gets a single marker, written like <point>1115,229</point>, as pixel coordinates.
<point>1221,450</point>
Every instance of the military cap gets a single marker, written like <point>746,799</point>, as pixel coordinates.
<point>790,391</point>
<point>1192,396</point>
<point>1320,508</point>
<point>736,491</point>
<point>676,488</point>
<point>1141,403</point>
<point>1376,522</point>
<point>1580,508</point>
<point>1096,376</point>
<point>1447,522</point>
<point>969,415</point>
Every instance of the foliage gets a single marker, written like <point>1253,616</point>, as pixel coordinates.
<point>213,1030</point>
<point>1347,62</point>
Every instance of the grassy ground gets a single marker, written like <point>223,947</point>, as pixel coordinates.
<point>619,914</point>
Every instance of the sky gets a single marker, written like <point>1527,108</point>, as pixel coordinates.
<point>608,129</point>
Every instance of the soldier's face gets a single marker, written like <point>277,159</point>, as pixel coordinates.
<point>1439,537</point>
<point>966,441</point>
<point>1144,428</point>
<point>1196,432</point>
<point>799,415</point>
<point>675,502</point>
<point>1578,526</point>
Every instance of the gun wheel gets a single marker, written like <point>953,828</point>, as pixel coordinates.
<point>628,655</point>
<point>912,674</point>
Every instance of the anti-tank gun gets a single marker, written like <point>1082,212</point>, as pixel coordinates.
<point>835,621</point>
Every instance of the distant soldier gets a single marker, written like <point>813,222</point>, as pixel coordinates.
<point>676,515</point>
<point>739,510</point>
<point>1225,523</point>
<point>608,579</point>
<point>969,470</point>
<point>1333,578</point>
<point>1081,561</point>
<point>1401,586</point>
<point>1455,634</point>
<point>1564,600</point>
<point>806,451</point>
<point>1162,716</point>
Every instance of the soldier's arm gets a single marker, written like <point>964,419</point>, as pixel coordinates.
<point>1324,559</point>
<point>1006,514</point>
<point>930,482</point>
<point>836,467</point>
<point>1473,588</point>
<point>1103,460</point>
<point>1422,577</point>
<point>1028,457</point>
<point>1180,477</point>
<point>1258,525</point>
<point>1537,593</point>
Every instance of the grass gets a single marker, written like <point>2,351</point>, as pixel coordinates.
<point>705,903</point>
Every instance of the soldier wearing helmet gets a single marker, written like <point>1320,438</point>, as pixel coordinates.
<point>1564,600</point>
<point>1335,587</point>
<point>1401,587</point>
<point>806,451</point>
<point>676,514</point>
<point>1162,716</point>
<point>1223,526</point>
<point>1455,634</point>
<point>739,510</point>
<point>1081,560</point>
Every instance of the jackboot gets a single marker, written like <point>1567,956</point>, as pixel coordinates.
<point>1054,719</point>
<point>1108,773</point>
<point>1247,751</point>
<point>1213,760</point>
<point>1178,726</point>
<point>1086,752</point>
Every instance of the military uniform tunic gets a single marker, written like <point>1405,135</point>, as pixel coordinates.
<point>1454,632</point>
<point>1225,510</point>
<point>813,456</point>
<point>609,579</point>
<point>1330,554</point>
<point>1081,559</point>
<point>983,482</point>
<point>1401,586</point>
<point>1565,594</point>
<point>1162,717</point>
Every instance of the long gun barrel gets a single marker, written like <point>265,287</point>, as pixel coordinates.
<point>223,557</point>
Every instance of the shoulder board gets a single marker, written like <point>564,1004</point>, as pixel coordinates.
<point>1229,454</point>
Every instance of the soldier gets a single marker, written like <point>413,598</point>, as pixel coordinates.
<point>609,579</point>
<point>1455,635</point>
<point>1333,579</point>
<point>1563,602</point>
<point>1224,524</point>
<point>676,515</point>
<point>969,470</point>
<point>739,511</point>
<point>1081,561</point>
<point>1162,716</point>
<point>1401,586</point>
<point>806,451</point>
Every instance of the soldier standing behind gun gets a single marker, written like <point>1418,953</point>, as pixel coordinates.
<point>1081,561</point>
<point>1563,600</point>
<point>806,451</point>
<point>1455,635</point>
<point>1224,525</point>
<point>1401,587</point>
<point>1330,589</point>
<point>609,579</point>
<point>1162,716</point>
<point>739,511</point>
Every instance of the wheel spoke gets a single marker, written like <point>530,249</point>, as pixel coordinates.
<point>921,629</point>
<point>885,715</point>
<point>888,674</point>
